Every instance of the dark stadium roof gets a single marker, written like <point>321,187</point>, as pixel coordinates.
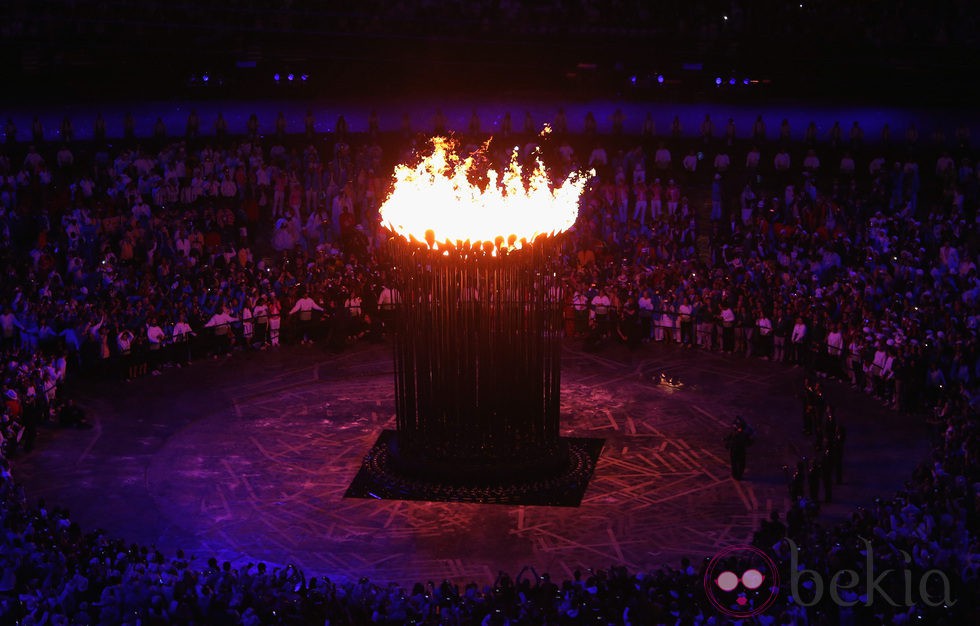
<point>856,47</point>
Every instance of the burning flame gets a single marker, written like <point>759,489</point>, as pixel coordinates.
<point>436,202</point>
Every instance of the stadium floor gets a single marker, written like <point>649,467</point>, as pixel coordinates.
<point>247,458</point>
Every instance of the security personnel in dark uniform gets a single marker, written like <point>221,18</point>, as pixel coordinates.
<point>813,405</point>
<point>813,479</point>
<point>797,481</point>
<point>738,441</point>
<point>827,468</point>
<point>835,442</point>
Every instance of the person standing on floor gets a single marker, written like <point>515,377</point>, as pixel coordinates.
<point>738,441</point>
<point>303,309</point>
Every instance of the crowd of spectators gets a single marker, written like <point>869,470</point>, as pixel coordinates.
<point>850,257</point>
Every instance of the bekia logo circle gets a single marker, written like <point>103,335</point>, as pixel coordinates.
<point>741,581</point>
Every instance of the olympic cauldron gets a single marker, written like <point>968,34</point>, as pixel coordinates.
<point>477,336</point>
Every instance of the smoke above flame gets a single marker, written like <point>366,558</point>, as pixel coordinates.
<point>435,201</point>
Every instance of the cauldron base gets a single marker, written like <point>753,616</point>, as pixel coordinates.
<point>388,474</point>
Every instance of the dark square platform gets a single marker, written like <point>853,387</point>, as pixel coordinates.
<point>375,481</point>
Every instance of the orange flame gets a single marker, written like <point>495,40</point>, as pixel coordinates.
<point>437,197</point>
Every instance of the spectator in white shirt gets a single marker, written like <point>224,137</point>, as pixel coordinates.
<point>781,162</point>
<point>835,351</point>
<point>876,366</point>
<point>690,162</point>
<point>303,309</point>
<point>685,327</point>
<point>722,162</point>
<point>662,158</point>
<point>228,186</point>
<point>598,158</point>
<point>154,334</point>
<point>811,162</point>
<point>797,339</point>
<point>600,312</point>
<point>727,329</point>
<point>180,341</point>
<point>221,322</point>
<point>763,326</point>
<point>645,307</point>
<point>888,374</point>
<point>155,338</point>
